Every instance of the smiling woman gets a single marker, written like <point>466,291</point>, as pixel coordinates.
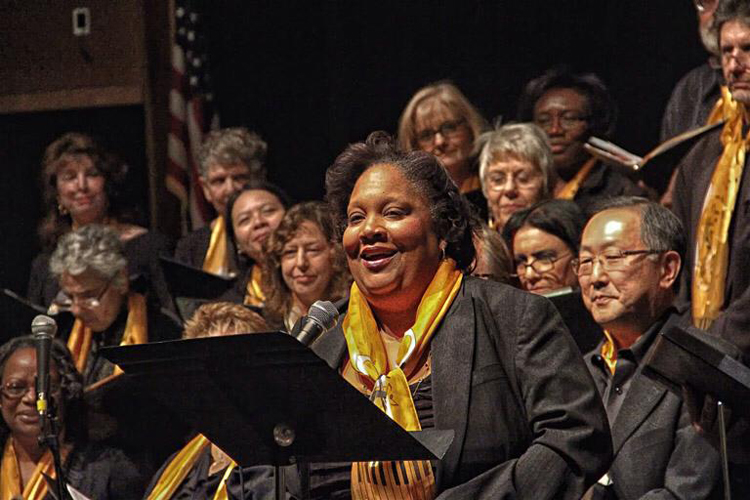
<point>94,470</point>
<point>84,183</point>
<point>304,263</point>
<point>438,349</point>
<point>440,120</point>
<point>254,212</point>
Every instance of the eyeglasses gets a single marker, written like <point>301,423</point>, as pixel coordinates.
<point>496,181</point>
<point>18,389</point>
<point>567,120</point>
<point>610,260</point>
<point>704,5</point>
<point>540,265</point>
<point>65,301</point>
<point>446,129</point>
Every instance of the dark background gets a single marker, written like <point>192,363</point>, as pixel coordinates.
<point>311,77</point>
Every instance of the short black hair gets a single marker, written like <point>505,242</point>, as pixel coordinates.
<point>254,184</point>
<point>560,218</point>
<point>453,219</point>
<point>602,107</point>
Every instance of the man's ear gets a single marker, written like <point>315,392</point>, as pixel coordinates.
<point>671,264</point>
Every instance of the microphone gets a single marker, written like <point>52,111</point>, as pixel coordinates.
<point>321,317</point>
<point>43,328</point>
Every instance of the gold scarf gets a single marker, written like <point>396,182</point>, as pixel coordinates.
<point>609,352</point>
<point>177,470</point>
<point>712,245</point>
<point>136,332</point>
<point>569,190</point>
<point>402,479</point>
<point>216,260</point>
<point>11,483</point>
<point>254,294</point>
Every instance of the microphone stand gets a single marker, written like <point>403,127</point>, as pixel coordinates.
<point>49,438</point>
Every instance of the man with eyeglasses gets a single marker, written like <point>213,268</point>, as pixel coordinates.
<point>570,108</point>
<point>628,265</point>
<point>712,198</point>
<point>92,271</point>
<point>694,96</point>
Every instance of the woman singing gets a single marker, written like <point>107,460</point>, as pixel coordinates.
<point>445,350</point>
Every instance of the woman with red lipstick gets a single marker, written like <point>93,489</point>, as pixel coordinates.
<point>255,212</point>
<point>440,120</point>
<point>86,184</point>
<point>436,348</point>
<point>515,167</point>
<point>304,263</point>
<point>96,471</point>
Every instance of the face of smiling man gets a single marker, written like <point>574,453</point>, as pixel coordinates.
<point>624,284</point>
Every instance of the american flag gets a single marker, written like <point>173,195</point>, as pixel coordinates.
<point>192,113</point>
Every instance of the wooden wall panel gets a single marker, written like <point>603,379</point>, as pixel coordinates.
<point>41,59</point>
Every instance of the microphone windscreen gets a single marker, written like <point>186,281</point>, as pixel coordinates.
<point>43,325</point>
<point>324,313</point>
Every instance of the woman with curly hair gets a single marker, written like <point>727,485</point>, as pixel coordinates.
<point>437,348</point>
<point>85,184</point>
<point>96,471</point>
<point>304,263</point>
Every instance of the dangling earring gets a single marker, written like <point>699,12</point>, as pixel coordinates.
<point>442,250</point>
<point>61,208</point>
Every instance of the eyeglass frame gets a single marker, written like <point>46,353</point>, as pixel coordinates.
<point>576,262</point>
<point>448,128</point>
<point>54,389</point>
<point>566,122</point>
<point>94,302</point>
<point>551,260</point>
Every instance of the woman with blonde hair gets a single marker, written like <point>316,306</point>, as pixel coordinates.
<point>440,120</point>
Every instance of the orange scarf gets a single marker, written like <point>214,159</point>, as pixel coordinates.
<point>569,190</point>
<point>253,293</point>
<point>11,484</point>
<point>178,469</point>
<point>712,243</point>
<point>401,479</point>
<point>136,332</point>
<point>216,260</point>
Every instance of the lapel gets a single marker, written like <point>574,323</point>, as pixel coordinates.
<point>452,362</point>
<point>643,396</point>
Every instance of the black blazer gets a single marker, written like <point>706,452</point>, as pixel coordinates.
<point>509,380</point>
<point>657,453</point>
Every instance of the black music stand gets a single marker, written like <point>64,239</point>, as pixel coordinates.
<point>681,358</point>
<point>266,399</point>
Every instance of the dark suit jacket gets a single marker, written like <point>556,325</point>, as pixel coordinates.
<point>657,453</point>
<point>604,181</point>
<point>733,324</point>
<point>509,380</point>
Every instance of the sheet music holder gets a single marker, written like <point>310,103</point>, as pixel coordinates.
<point>680,358</point>
<point>265,399</point>
<point>190,286</point>
<point>664,156</point>
<point>16,314</point>
<point>585,331</point>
